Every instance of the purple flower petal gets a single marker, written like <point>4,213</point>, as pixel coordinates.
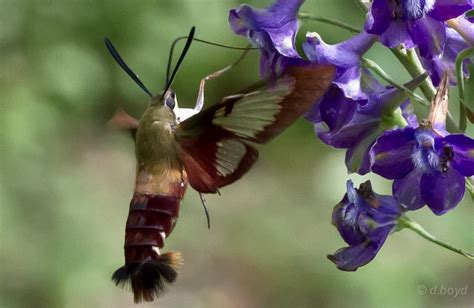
<point>386,209</point>
<point>442,191</point>
<point>357,156</point>
<point>447,9</point>
<point>335,108</point>
<point>445,62</point>
<point>463,149</point>
<point>364,219</point>
<point>429,35</point>
<point>337,111</point>
<point>379,17</point>
<point>390,98</point>
<point>237,24</point>
<point>396,34</point>
<point>425,156</point>
<point>275,16</point>
<point>391,154</point>
<point>345,54</point>
<point>408,113</point>
<point>373,229</point>
<point>273,30</point>
<point>348,121</point>
<point>353,257</point>
<point>345,217</point>
<point>407,190</point>
<point>465,27</point>
<point>349,232</point>
<point>349,81</point>
<point>347,134</point>
<point>283,39</point>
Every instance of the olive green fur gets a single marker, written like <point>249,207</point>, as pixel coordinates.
<point>155,139</point>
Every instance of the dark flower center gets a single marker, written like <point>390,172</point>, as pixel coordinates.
<point>446,156</point>
<point>366,192</point>
<point>410,9</point>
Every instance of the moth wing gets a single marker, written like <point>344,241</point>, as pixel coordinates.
<point>214,142</point>
<point>123,121</point>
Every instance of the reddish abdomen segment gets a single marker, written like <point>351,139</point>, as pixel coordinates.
<point>151,218</point>
<point>150,221</point>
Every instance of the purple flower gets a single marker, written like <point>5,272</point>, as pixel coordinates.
<point>446,60</point>
<point>345,56</point>
<point>428,168</point>
<point>464,25</point>
<point>273,30</point>
<point>414,22</point>
<point>364,219</point>
<point>355,124</point>
<point>427,164</point>
<point>455,43</point>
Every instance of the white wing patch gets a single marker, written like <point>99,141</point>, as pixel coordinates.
<point>228,156</point>
<point>255,111</point>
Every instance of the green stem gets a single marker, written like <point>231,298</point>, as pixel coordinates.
<point>381,73</point>
<point>405,222</point>
<point>402,56</point>
<point>329,21</point>
<point>466,53</point>
<point>412,64</point>
<point>397,118</point>
<point>470,188</point>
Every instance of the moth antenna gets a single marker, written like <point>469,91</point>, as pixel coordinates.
<point>204,205</point>
<point>124,66</point>
<point>180,60</point>
<point>173,45</point>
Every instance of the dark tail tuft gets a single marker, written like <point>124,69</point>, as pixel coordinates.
<point>148,279</point>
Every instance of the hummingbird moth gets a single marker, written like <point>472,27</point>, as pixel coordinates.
<point>208,149</point>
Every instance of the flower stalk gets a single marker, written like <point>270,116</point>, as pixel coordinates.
<point>469,52</point>
<point>337,23</point>
<point>382,74</point>
<point>415,65</point>
<point>470,188</point>
<point>410,60</point>
<point>412,64</point>
<point>405,222</point>
<point>395,119</point>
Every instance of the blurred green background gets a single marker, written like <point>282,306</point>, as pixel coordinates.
<point>67,179</point>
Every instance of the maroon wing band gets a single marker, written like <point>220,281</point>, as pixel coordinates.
<point>199,159</point>
<point>311,82</point>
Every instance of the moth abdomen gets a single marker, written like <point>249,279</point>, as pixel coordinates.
<point>151,219</point>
